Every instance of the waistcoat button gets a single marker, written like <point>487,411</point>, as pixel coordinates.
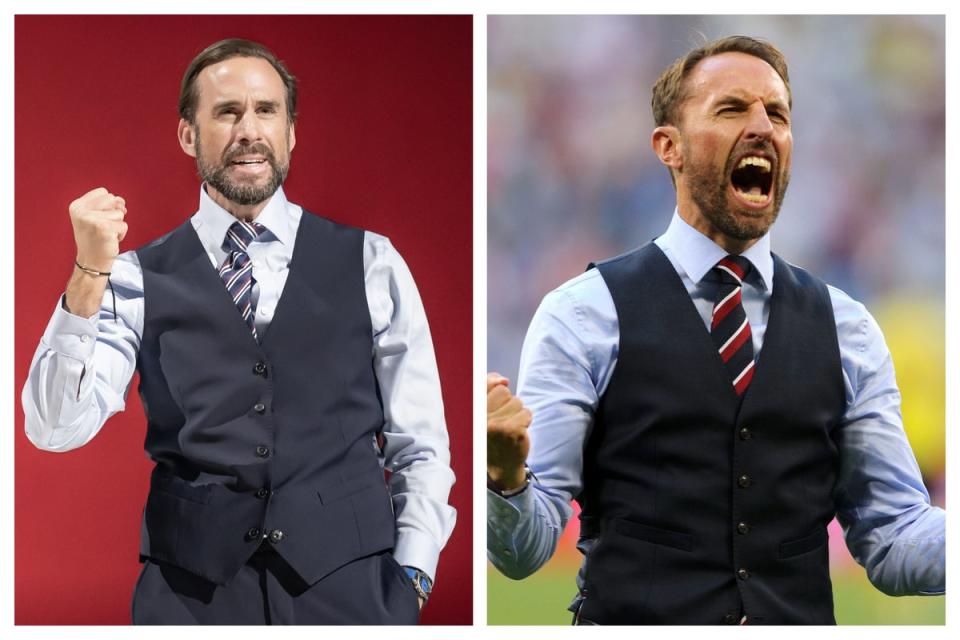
<point>742,527</point>
<point>262,451</point>
<point>252,534</point>
<point>260,369</point>
<point>744,481</point>
<point>262,493</point>
<point>259,407</point>
<point>745,434</point>
<point>276,536</point>
<point>743,574</point>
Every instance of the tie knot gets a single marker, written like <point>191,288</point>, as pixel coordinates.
<point>733,269</point>
<point>240,234</point>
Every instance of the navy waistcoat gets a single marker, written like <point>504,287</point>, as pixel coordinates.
<point>261,442</point>
<point>697,508</point>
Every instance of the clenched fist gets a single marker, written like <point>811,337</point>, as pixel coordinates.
<point>507,441</point>
<point>98,228</point>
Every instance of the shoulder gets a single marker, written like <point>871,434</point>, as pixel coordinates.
<point>582,302</point>
<point>856,327</point>
<point>796,274</point>
<point>163,240</point>
<point>323,223</point>
<point>376,245</point>
<point>171,250</point>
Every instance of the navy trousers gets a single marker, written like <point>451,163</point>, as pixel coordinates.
<point>370,590</point>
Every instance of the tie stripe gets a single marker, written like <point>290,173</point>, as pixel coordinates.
<point>742,381</point>
<point>732,345</point>
<point>729,326</point>
<point>725,306</point>
<point>237,270</point>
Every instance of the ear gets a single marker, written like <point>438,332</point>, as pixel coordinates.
<point>293,136</point>
<point>188,139</point>
<point>668,146</point>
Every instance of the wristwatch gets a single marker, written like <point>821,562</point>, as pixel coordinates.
<point>421,582</point>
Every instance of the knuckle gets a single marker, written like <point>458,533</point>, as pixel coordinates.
<point>515,405</point>
<point>499,392</point>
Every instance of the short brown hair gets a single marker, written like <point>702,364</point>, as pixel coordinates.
<point>669,92</point>
<point>224,50</point>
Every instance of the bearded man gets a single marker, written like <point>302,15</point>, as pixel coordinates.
<point>285,361</point>
<point>709,405</point>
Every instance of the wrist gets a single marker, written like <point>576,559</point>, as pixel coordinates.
<point>87,263</point>
<point>507,480</point>
<point>515,487</point>
<point>421,582</point>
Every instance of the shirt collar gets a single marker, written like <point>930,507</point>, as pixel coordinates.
<point>214,220</point>
<point>697,254</point>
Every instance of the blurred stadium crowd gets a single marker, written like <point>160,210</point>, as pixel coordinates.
<point>572,177</point>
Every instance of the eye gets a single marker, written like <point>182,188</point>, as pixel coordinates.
<point>779,116</point>
<point>729,109</point>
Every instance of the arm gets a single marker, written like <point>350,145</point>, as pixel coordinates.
<point>889,524</point>
<point>568,356</point>
<point>416,448</point>
<point>82,368</point>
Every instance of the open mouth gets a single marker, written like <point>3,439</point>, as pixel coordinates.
<point>248,162</point>
<point>752,180</point>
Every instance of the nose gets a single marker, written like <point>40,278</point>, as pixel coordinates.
<point>758,123</point>
<point>247,127</point>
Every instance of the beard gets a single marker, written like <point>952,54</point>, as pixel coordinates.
<point>242,192</point>
<point>708,189</point>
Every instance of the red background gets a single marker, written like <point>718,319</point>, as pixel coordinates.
<point>384,142</point>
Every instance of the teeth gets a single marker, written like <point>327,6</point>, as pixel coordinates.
<point>758,199</point>
<point>756,161</point>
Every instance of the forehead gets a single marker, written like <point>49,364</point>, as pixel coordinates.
<point>236,78</point>
<point>735,73</point>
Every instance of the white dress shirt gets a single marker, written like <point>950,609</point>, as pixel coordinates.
<point>81,371</point>
<point>569,356</point>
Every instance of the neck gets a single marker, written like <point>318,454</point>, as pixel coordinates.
<point>247,212</point>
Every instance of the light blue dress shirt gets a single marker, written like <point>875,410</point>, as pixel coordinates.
<point>82,369</point>
<point>567,361</point>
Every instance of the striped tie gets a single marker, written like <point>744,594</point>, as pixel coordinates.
<point>729,326</point>
<point>237,270</point>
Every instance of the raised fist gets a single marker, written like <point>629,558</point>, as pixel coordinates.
<point>507,441</point>
<point>98,227</point>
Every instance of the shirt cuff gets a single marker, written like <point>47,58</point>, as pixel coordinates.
<point>70,335</point>
<point>417,549</point>
<point>503,519</point>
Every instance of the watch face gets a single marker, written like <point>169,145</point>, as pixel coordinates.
<point>425,584</point>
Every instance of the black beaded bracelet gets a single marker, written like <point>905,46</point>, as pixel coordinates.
<point>92,272</point>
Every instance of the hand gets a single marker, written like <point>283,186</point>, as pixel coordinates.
<point>98,227</point>
<point>508,443</point>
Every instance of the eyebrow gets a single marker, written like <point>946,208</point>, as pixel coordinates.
<point>736,101</point>
<point>226,104</point>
